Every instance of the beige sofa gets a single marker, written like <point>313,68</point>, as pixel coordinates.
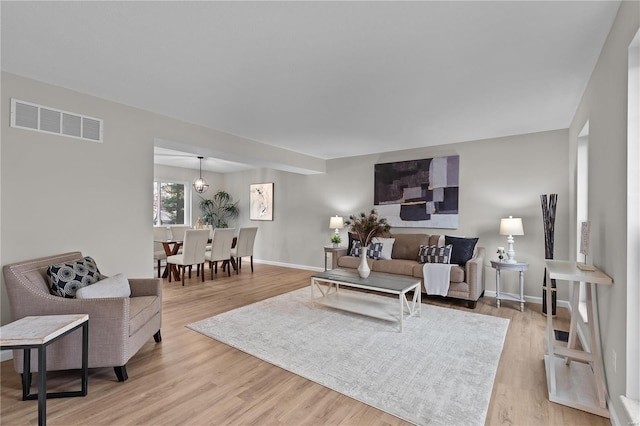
<point>118,326</point>
<point>467,283</point>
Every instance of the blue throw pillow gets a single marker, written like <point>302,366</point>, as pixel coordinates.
<point>356,248</point>
<point>374,251</point>
<point>462,249</point>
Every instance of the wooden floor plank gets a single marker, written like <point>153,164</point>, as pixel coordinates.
<point>190,379</point>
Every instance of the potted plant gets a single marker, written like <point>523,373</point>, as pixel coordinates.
<point>336,240</point>
<point>219,209</point>
<point>366,227</point>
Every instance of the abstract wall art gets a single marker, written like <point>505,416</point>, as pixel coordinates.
<point>261,201</point>
<point>418,193</point>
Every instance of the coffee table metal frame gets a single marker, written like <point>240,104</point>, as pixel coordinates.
<point>328,283</point>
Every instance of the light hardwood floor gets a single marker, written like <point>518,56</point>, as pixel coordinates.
<point>190,379</point>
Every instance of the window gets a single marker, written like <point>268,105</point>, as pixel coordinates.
<point>170,203</point>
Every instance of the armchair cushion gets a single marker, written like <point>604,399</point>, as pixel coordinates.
<point>67,277</point>
<point>114,286</point>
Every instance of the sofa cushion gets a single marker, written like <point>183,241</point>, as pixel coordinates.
<point>350,262</point>
<point>387,246</point>
<point>406,246</point>
<point>462,249</point>
<point>114,286</point>
<point>67,277</point>
<point>456,274</point>
<point>394,266</point>
<point>374,251</point>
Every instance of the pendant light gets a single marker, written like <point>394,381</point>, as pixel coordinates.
<point>200,185</point>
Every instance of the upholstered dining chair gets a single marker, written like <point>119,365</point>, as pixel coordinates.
<point>244,246</point>
<point>160,233</point>
<point>193,250</point>
<point>220,248</point>
<point>177,231</point>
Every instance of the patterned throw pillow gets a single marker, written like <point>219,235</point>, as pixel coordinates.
<point>356,248</point>
<point>434,254</point>
<point>66,278</point>
<point>374,251</point>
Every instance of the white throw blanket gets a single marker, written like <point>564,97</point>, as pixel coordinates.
<point>436,278</point>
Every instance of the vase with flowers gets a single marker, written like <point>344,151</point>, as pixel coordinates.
<point>367,227</point>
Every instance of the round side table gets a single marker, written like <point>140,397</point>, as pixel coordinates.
<point>505,266</point>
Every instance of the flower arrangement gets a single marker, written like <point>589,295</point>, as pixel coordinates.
<point>368,226</point>
<point>335,239</point>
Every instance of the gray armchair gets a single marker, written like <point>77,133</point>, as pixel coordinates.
<point>118,327</point>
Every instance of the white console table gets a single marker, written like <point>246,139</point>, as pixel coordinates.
<point>577,384</point>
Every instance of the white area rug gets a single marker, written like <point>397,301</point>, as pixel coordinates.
<point>439,371</point>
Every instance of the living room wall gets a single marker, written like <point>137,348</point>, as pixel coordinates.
<point>498,177</point>
<point>604,106</point>
<point>62,194</point>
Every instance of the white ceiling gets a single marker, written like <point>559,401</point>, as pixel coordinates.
<point>328,79</point>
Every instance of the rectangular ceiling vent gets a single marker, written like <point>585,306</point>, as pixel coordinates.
<point>26,115</point>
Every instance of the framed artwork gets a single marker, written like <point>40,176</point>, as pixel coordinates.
<point>418,193</point>
<point>261,201</point>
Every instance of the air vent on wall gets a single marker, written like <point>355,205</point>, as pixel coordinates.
<point>27,115</point>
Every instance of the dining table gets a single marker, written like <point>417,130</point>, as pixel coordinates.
<point>172,247</point>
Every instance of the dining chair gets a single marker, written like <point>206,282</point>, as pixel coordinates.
<point>220,248</point>
<point>244,246</point>
<point>193,250</point>
<point>177,232</point>
<point>160,233</point>
<point>211,228</point>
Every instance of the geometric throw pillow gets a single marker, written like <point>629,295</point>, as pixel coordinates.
<point>356,248</point>
<point>66,278</point>
<point>434,254</point>
<point>374,251</point>
<point>440,254</point>
<point>462,249</point>
<point>387,246</point>
<point>114,286</point>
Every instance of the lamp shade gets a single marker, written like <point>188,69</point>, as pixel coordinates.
<point>336,222</point>
<point>511,226</point>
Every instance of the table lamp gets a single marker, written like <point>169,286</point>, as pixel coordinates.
<point>511,226</point>
<point>336,222</point>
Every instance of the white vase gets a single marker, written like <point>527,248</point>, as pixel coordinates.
<point>363,269</point>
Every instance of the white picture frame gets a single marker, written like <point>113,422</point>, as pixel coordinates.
<point>261,201</point>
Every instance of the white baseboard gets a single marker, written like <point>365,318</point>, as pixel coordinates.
<point>289,265</point>
<point>6,355</point>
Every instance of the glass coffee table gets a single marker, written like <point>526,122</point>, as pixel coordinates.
<point>325,290</point>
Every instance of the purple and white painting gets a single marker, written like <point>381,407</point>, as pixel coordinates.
<point>418,193</point>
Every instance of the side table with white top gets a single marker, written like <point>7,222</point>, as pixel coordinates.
<point>519,267</point>
<point>38,332</point>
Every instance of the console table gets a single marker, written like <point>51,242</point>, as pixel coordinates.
<point>577,384</point>
<point>38,332</point>
<point>505,266</point>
